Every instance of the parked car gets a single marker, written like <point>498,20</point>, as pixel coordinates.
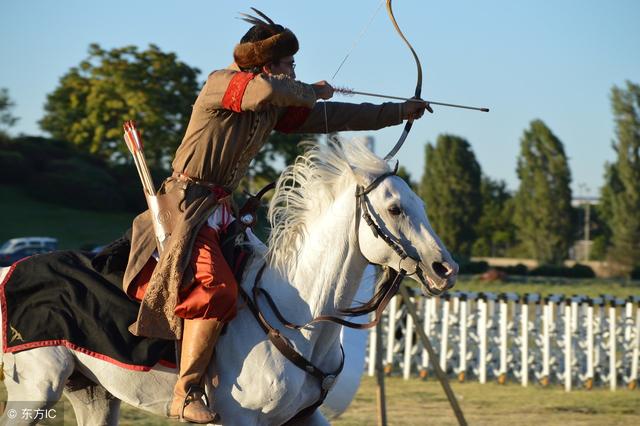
<point>18,248</point>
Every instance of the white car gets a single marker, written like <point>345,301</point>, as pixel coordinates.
<point>18,248</point>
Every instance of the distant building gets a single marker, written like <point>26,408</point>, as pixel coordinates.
<point>583,200</point>
<point>581,249</point>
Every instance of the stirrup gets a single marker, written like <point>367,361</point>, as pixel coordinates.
<point>193,389</point>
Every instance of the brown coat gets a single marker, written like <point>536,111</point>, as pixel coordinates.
<point>218,146</point>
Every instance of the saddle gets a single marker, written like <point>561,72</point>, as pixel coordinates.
<point>233,242</point>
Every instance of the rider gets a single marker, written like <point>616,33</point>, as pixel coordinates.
<point>192,293</point>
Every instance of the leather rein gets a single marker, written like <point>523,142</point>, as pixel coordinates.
<point>378,303</point>
<point>388,289</point>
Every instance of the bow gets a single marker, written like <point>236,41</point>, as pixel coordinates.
<point>418,91</point>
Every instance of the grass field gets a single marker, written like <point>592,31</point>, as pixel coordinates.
<point>547,286</point>
<point>417,403</point>
<point>22,216</point>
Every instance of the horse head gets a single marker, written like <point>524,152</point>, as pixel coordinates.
<point>394,232</point>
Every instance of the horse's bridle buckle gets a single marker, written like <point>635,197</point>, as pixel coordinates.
<point>328,382</point>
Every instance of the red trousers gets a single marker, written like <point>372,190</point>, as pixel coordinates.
<point>212,293</point>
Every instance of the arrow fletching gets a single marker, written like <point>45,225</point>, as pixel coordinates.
<point>132,137</point>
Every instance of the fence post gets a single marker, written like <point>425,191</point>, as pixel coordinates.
<point>598,355</point>
<point>612,346</point>
<point>577,333</point>
<point>633,383</point>
<point>589,325</point>
<point>574,313</point>
<point>427,330</point>
<point>408,347</point>
<point>504,320</point>
<point>444,339</point>
<point>464,304</point>
<point>628,320</point>
<point>546,338</point>
<point>524,336</point>
<point>567,346</point>
<point>391,334</point>
<point>482,336</point>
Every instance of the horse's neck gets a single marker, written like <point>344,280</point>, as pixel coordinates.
<point>328,269</point>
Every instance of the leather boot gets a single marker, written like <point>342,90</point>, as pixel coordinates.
<point>199,337</point>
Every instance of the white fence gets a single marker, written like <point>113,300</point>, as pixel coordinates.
<point>576,341</point>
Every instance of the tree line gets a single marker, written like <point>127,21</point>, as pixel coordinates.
<point>473,213</point>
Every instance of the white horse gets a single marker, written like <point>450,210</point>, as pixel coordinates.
<point>318,250</point>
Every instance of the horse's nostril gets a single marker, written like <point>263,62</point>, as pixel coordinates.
<point>441,269</point>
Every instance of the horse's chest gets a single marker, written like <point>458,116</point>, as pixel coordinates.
<point>272,380</point>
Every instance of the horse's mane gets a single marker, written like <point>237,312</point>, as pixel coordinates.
<point>306,188</point>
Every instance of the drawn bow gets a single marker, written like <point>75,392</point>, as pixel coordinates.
<point>418,91</point>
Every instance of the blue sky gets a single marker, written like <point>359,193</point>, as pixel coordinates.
<point>552,60</point>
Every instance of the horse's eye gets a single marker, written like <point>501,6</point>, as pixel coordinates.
<point>394,210</point>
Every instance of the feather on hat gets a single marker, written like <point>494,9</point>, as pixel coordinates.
<point>279,42</point>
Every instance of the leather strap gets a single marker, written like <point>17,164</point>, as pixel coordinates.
<point>219,190</point>
<point>390,288</point>
<point>283,345</point>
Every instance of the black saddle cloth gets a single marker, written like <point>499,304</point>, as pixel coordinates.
<point>73,299</point>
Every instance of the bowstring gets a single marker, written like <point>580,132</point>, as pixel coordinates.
<point>344,60</point>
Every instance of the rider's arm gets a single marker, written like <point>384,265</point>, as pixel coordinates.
<point>242,91</point>
<point>338,116</point>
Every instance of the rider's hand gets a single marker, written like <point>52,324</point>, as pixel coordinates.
<point>413,110</point>
<point>323,90</point>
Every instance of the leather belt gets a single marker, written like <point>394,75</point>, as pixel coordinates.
<point>219,190</point>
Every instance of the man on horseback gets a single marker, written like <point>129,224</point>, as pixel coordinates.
<point>190,292</point>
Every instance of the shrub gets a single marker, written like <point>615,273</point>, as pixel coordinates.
<point>40,151</point>
<point>581,271</point>
<point>76,183</point>
<point>13,167</point>
<point>470,267</point>
<point>576,271</point>
<point>518,269</point>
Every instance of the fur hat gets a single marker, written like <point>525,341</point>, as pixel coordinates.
<point>265,42</point>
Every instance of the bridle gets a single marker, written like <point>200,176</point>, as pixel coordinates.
<point>378,303</point>
<point>363,210</point>
<point>387,290</point>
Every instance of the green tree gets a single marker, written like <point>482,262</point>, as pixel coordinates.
<point>111,86</point>
<point>6,105</point>
<point>450,188</point>
<point>543,201</point>
<point>621,192</point>
<point>495,230</point>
